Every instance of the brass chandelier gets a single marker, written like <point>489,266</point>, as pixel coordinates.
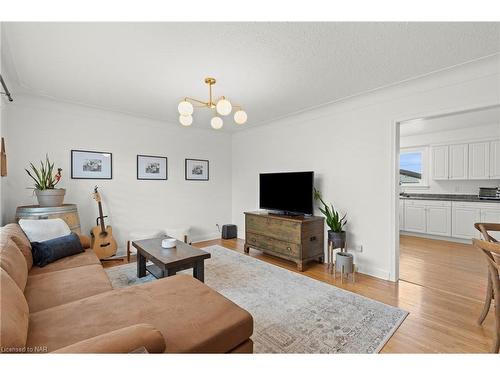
<point>221,106</point>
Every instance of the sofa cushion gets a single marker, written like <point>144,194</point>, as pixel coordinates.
<point>15,232</point>
<point>57,248</point>
<point>14,315</point>
<point>13,262</point>
<point>56,288</point>
<point>143,338</point>
<point>43,230</point>
<point>86,258</point>
<point>191,317</point>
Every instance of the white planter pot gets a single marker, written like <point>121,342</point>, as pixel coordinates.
<point>50,197</point>
<point>344,261</point>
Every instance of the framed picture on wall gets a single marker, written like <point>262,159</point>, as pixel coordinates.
<point>152,167</point>
<point>91,165</point>
<point>197,170</point>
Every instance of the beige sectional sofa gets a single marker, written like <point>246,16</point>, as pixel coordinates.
<point>69,306</point>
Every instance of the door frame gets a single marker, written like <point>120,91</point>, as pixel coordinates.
<point>395,142</point>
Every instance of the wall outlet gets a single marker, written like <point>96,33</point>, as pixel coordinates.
<point>358,248</point>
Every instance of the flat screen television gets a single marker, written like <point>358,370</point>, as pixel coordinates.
<point>289,193</point>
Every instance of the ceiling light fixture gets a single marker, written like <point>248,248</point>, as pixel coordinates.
<point>221,106</point>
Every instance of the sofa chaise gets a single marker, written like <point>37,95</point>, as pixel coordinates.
<point>69,306</point>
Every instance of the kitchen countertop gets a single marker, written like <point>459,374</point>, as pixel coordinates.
<point>448,197</point>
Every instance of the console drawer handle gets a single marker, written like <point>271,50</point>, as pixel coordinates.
<point>313,238</point>
<point>289,248</point>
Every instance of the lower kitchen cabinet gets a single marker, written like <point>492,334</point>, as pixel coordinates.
<point>491,215</point>
<point>463,218</point>
<point>415,220</point>
<point>446,218</point>
<point>401,214</point>
<point>439,220</point>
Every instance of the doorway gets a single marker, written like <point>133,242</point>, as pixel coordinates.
<point>441,162</point>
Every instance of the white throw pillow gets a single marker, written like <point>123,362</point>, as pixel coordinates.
<point>45,229</point>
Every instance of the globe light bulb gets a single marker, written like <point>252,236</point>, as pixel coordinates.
<point>186,120</point>
<point>240,117</point>
<point>224,107</point>
<point>185,108</point>
<point>216,122</point>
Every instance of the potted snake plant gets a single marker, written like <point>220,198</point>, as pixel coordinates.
<point>336,233</point>
<point>46,179</point>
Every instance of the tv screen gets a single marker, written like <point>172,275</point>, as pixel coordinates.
<point>291,192</point>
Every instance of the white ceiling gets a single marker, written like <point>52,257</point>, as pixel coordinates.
<point>490,116</point>
<point>272,69</point>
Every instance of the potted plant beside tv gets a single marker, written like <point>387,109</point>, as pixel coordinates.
<point>46,179</point>
<point>336,233</point>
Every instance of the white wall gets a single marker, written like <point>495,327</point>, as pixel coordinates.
<point>35,126</point>
<point>351,147</point>
<point>472,134</point>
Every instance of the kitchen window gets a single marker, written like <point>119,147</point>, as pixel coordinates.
<point>413,167</point>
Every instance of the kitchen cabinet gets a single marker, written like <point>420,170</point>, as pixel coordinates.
<point>440,162</point>
<point>438,219</point>
<point>463,218</point>
<point>495,160</point>
<point>466,161</point>
<point>401,214</point>
<point>431,217</point>
<point>415,219</point>
<point>447,218</point>
<point>479,161</point>
<point>491,215</point>
<point>459,162</point>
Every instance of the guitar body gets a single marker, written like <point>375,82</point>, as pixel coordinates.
<point>103,244</point>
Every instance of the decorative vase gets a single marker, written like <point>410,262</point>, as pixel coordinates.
<point>337,239</point>
<point>50,197</point>
<point>345,260</point>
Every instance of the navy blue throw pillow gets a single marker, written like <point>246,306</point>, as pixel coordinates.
<point>49,251</point>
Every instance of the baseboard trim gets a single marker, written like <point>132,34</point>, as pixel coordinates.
<point>207,237</point>
<point>434,237</point>
<point>379,273</point>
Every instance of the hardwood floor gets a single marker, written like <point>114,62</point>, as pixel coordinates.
<point>443,290</point>
<point>447,266</point>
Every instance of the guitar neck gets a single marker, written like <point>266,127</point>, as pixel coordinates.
<point>101,216</point>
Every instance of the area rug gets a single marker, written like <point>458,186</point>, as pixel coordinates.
<point>292,313</point>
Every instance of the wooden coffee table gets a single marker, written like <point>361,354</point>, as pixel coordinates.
<point>167,262</point>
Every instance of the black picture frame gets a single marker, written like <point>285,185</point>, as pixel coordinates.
<point>186,177</point>
<point>156,157</point>
<point>73,177</point>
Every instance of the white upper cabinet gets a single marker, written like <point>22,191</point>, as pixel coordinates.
<point>479,161</point>
<point>467,161</point>
<point>459,162</point>
<point>495,160</point>
<point>440,163</point>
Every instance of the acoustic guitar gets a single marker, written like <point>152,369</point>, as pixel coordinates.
<point>103,243</point>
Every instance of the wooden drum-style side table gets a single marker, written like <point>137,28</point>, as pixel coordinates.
<point>67,212</point>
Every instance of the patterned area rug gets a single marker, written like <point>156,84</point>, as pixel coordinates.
<point>292,313</point>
